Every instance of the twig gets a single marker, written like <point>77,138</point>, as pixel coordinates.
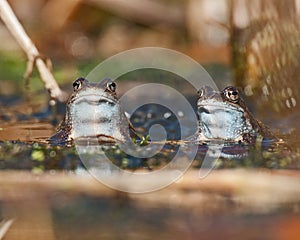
<point>16,29</point>
<point>4,227</point>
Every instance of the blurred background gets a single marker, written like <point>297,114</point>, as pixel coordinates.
<point>251,44</point>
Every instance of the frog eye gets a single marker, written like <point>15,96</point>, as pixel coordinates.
<point>77,84</point>
<point>200,92</point>
<point>232,94</point>
<point>111,86</point>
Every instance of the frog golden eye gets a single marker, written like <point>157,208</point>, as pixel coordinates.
<point>111,86</point>
<point>232,94</point>
<point>200,92</point>
<point>77,84</point>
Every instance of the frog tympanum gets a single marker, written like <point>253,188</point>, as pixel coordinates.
<point>224,116</point>
<point>93,110</point>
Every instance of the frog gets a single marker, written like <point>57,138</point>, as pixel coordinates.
<point>93,110</point>
<point>223,115</point>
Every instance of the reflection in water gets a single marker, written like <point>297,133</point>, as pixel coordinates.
<point>39,156</point>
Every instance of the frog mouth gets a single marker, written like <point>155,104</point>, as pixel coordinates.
<point>95,99</point>
<point>213,107</point>
<point>220,114</point>
<point>202,109</point>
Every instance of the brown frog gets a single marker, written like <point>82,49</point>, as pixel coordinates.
<point>93,110</point>
<point>223,115</point>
